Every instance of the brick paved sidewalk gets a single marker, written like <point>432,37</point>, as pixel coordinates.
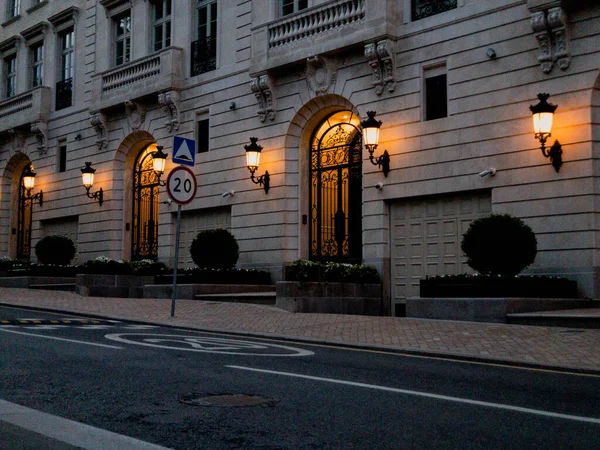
<point>548,347</point>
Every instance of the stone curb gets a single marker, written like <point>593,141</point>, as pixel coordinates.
<point>510,363</point>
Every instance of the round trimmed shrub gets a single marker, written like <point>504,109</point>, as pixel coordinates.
<point>58,250</point>
<point>499,244</point>
<point>215,249</point>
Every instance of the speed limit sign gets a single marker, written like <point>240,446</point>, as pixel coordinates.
<point>181,185</point>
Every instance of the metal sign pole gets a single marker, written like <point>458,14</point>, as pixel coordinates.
<point>176,263</point>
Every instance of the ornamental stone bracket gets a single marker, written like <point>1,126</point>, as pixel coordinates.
<point>170,104</point>
<point>551,32</point>
<point>100,123</point>
<point>263,87</point>
<point>40,129</point>
<point>136,113</point>
<point>381,58</point>
<point>321,74</point>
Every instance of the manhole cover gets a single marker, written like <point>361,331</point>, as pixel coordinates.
<point>229,400</point>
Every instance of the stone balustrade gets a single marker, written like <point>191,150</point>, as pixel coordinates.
<point>142,77</point>
<point>329,27</point>
<point>25,108</point>
<point>317,20</point>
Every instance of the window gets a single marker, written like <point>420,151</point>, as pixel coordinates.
<point>202,136</point>
<point>426,8</point>
<point>292,6</point>
<point>436,93</point>
<point>64,94</point>
<point>37,64</point>
<point>14,8</point>
<point>162,24</point>
<point>10,75</point>
<point>122,25</point>
<point>204,50</point>
<point>62,158</point>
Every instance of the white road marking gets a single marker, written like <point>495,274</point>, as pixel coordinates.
<point>428,395</point>
<point>205,344</point>
<point>60,339</point>
<point>69,431</point>
<point>139,327</point>
<point>95,327</point>
<point>45,327</point>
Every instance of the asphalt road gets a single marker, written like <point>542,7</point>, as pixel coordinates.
<point>130,379</point>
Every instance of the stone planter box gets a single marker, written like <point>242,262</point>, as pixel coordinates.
<point>188,291</point>
<point>127,286</point>
<point>522,287</point>
<point>487,309</point>
<point>25,281</point>
<point>333,298</point>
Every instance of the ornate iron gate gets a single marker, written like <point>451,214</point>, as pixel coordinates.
<point>144,241</point>
<point>24,222</point>
<point>336,190</point>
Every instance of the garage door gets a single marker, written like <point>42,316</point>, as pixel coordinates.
<point>194,222</point>
<point>426,237</point>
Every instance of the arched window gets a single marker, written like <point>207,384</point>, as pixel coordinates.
<point>336,190</point>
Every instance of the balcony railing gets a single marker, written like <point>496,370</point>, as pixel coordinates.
<point>315,21</point>
<point>204,55</point>
<point>426,8</point>
<point>64,94</point>
<point>25,108</point>
<point>155,73</point>
<point>329,27</point>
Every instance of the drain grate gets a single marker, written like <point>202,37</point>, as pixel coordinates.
<point>571,331</point>
<point>226,400</point>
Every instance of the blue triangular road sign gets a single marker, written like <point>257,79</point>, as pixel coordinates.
<point>184,151</point>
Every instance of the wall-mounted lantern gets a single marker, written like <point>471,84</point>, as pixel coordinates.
<point>370,129</point>
<point>159,159</point>
<point>87,176</point>
<point>543,115</point>
<point>252,161</point>
<point>29,184</point>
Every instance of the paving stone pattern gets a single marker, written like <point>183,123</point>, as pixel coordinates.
<point>544,346</point>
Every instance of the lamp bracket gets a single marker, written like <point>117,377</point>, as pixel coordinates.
<point>383,161</point>
<point>555,155</point>
<point>263,180</point>
<point>39,197</point>
<point>98,195</point>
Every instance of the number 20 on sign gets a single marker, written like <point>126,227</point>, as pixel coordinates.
<point>181,185</point>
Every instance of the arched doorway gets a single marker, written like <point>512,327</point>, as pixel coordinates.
<point>23,234</point>
<point>144,232</point>
<point>335,232</point>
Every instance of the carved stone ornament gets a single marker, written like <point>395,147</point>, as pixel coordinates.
<point>40,129</point>
<point>170,104</point>
<point>100,123</point>
<point>540,28</point>
<point>551,32</point>
<point>380,57</point>
<point>320,74</point>
<point>557,22</point>
<point>262,87</point>
<point>136,114</point>
<point>17,140</point>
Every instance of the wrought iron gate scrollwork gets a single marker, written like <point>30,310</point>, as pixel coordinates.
<point>144,242</point>
<point>24,222</point>
<point>336,190</point>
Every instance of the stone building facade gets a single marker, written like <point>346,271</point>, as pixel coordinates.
<point>105,81</point>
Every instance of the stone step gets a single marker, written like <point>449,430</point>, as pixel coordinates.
<point>583,318</point>
<point>260,298</point>
<point>54,287</point>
